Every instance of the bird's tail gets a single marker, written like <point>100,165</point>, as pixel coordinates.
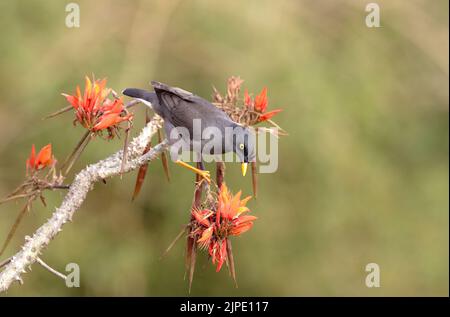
<point>149,98</point>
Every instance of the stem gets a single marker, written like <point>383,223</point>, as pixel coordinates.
<point>178,237</point>
<point>80,143</point>
<point>125,148</point>
<point>13,197</point>
<point>54,114</point>
<point>79,149</point>
<point>58,187</point>
<point>15,225</point>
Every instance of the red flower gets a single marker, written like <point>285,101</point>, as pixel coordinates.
<point>260,105</point>
<point>112,115</point>
<point>213,228</point>
<point>94,110</point>
<point>40,161</point>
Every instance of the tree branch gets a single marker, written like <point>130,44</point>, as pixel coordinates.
<point>76,195</point>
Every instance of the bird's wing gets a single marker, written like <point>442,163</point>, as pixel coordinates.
<point>183,94</point>
<point>183,107</point>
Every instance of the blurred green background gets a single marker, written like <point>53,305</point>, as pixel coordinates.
<point>363,175</point>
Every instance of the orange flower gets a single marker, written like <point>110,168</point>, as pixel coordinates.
<point>260,105</point>
<point>94,110</point>
<point>205,239</point>
<point>202,216</point>
<point>40,161</point>
<point>242,224</point>
<point>230,207</point>
<point>213,228</point>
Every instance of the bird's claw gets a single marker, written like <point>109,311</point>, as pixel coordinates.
<point>205,176</point>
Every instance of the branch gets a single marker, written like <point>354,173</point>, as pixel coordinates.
<point>81,185</point>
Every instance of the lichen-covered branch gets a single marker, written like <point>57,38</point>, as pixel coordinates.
<point>79,188</point>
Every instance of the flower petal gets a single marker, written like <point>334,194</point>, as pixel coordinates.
<point>261,100</point>
<point>200,217</point>
<point>240,229</point>
<point>72,100</point>
<point>31,159</point>
<point>205,238</point>
<point>247,99</point>
<point>243,219</point>
<point>268,115</point>
<point>44,158</point>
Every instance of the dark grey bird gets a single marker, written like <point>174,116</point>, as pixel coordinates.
<point>194,123</point>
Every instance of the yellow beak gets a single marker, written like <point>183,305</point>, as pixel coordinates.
<point>244,168</point>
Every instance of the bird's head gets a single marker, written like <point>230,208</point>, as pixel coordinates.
<point>245,146</point>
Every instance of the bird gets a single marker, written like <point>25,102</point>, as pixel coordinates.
<point>180,109</point>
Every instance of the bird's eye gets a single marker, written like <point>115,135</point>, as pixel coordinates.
<point>241,146</point>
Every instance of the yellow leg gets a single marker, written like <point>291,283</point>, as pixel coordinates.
<point>202,173</point>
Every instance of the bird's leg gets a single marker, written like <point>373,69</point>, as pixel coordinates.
<point>204,174</point>
<point>201,167</point>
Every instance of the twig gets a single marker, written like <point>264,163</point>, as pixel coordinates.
<point>178,237</point>
<point>5,261</point>
<point>78,150</point>
<point>54,114</point>
<point>125,148</point>
<point>82,184</point>
<point>14,197</point>
<point>52,270</point>
<point>16,224</point>
<point>58,186</point>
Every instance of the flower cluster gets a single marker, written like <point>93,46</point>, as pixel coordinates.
<point>34,185</point>
<point>246,111</point>
<point>213,227</point>
<point>259,105</point>
<point>95,111</point>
